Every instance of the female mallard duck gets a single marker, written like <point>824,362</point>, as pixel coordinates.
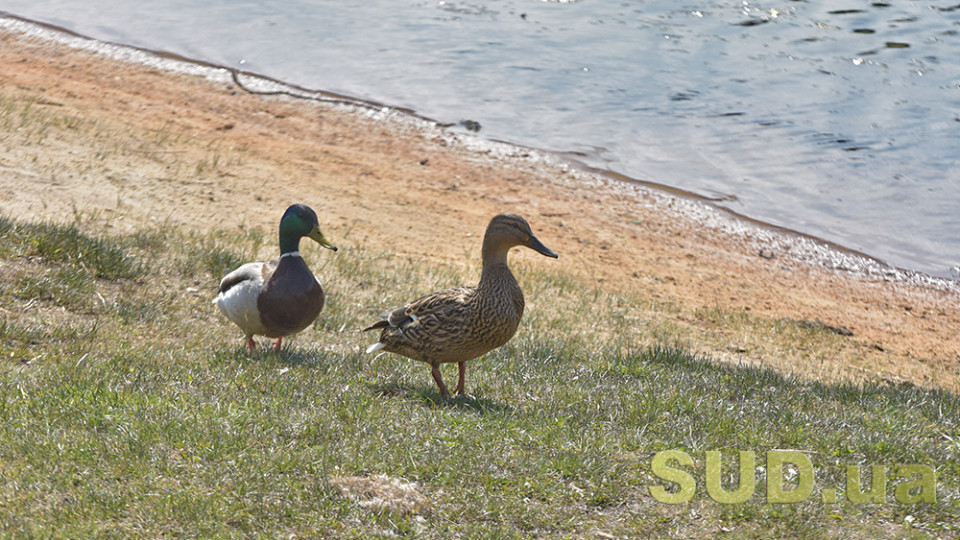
<point>460,324</point>
<point>281,297</point>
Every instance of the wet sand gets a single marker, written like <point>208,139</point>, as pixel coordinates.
<point>137,145</point>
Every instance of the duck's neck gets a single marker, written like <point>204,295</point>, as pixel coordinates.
<point>289,244</point>
<point>498,287</point>
<point>495,270</point>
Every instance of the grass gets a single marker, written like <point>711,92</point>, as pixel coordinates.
<point>128,407</point>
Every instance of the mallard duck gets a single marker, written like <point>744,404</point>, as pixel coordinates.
<point>281,297</point>
<point>460,324</point>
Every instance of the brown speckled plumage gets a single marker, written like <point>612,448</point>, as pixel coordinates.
<point>460,324</point>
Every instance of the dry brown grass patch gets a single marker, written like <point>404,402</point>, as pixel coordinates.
<point>382,494</point>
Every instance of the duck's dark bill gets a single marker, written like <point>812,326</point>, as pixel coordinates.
<point>538,246</point>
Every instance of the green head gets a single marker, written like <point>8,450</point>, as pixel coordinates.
<point>298,221</point>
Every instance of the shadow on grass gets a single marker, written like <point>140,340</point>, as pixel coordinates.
<point>289,357</point>
<point>430,397</point>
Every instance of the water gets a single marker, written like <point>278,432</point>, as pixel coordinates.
<point>839,120</point>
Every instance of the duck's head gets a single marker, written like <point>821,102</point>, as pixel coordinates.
<point>298,221</point>
<point>508,230</point>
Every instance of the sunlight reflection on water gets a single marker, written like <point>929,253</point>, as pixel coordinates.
<point>840,121</point>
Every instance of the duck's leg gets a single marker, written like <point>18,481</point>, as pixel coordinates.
<point>276,344</point>
<point>439,379</point>
<point>462,367</point>
<point>251,345</point>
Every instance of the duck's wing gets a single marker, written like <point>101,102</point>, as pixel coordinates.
<point>256,272</point>
<point>239,292</point>
<point>435,307</point>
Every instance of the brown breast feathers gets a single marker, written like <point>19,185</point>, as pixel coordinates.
<point>291,299</point>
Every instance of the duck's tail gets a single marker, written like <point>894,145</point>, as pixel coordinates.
<point>378,324</point>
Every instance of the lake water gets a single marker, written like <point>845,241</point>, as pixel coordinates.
<point>836,119</point>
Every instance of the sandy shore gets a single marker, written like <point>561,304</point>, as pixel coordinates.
<point>135,145</point>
